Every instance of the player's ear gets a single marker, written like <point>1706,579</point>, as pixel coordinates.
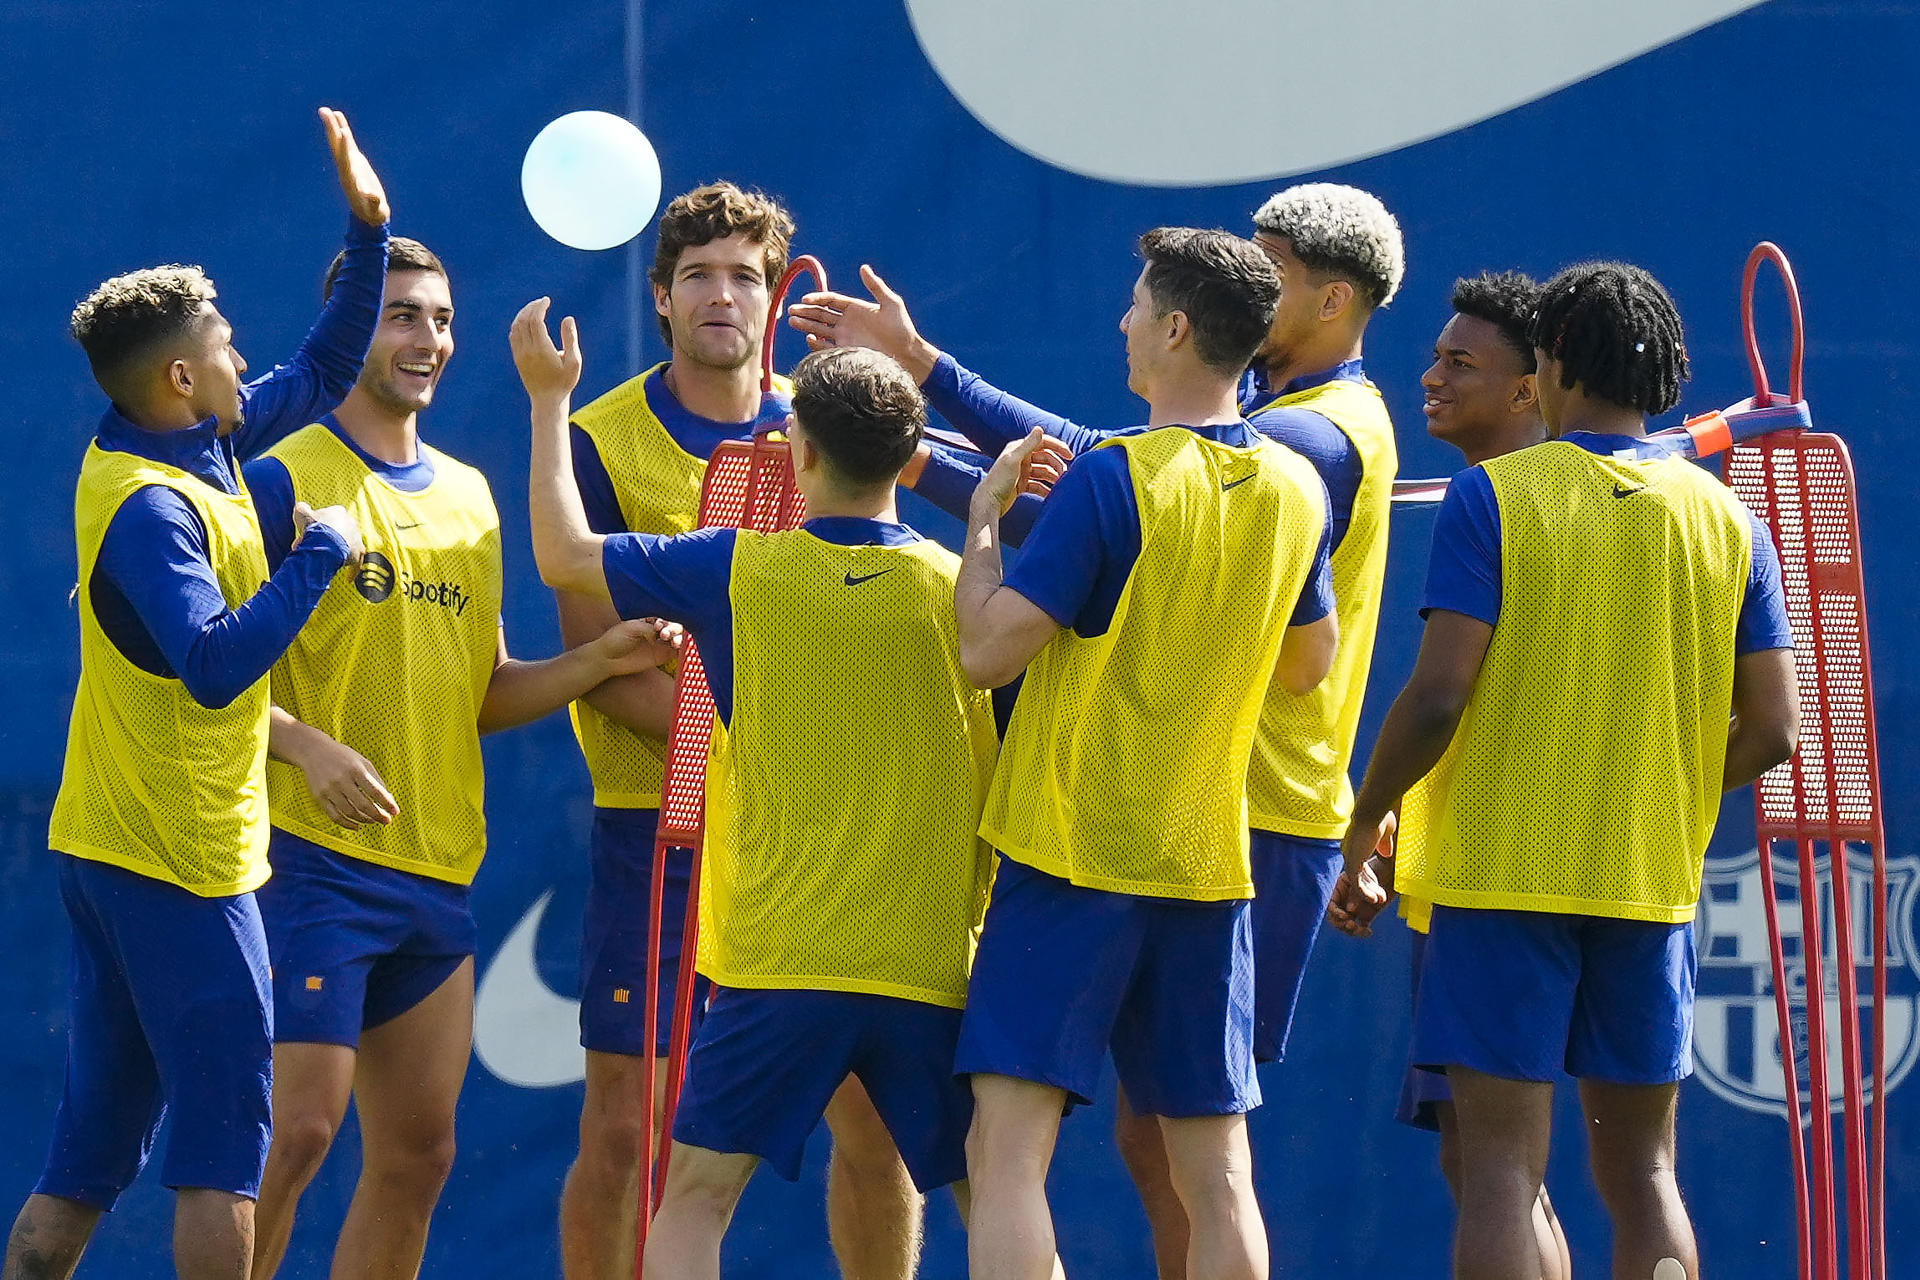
<point>662,299</point>
<point>179,378</point>
<point>1526,395</point>
<point>1335,297</point>
<point>1176,329</point>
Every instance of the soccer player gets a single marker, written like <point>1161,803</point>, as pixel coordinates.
<point>640,455</point>
<point>1606,651</point>
<point>161,820</point>
<point>1481,398</point>
<point>1174,574</point>
<point>1340,258</point>
<point>376,785</point>
<point>845,876</point>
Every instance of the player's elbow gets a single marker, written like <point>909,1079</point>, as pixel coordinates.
<point>983,668</point>
<point>1777,739</point>
<point>1306,655</point>
<point>569,564</point>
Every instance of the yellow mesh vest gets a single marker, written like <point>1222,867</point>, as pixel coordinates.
<point>1585,774</point>
<point>154,782</point>
<point>1297,783</point>
<point>1125,766</point>
<point>658,484</point>
<point>1409,849</point>
<point>844,797</point>
<point>396,659</point>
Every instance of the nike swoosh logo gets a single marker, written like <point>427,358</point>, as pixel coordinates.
<point>524,1031</point>
<point>865,577</point>
<point>1618,492</point>
<point>1234,484</point>
<point>414,525</point>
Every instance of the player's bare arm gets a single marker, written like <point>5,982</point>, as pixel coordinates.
<point>366,197</point>
<point>1766,715</point>
<point>841,320</point>
<point>1001,631</point>
<point>642,700</point>
<point>1418,728</point>
<point>521,692</point>
<point>344,783</point>
<point>1306,654</point>
<point>564,546</point>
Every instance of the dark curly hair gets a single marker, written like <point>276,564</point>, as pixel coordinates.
<point>1616,332</point>
<point>1506,300</point>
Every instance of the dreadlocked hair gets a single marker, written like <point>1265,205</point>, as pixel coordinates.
<point>1616,333</point>
<point>1506,300</point>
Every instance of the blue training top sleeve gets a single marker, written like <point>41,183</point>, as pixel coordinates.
<point>1763,611</point>
<point>1316,593</point>
<point>270,485</point>
<point>155,554</point>
<point>683,578</point>
<point>596,487</point>
<point>1315,437</point>
<point>990,417</point>
<point>326,366</point>
<point>1077,558</point>
<point>1463,575</point>
<point>949,479</point>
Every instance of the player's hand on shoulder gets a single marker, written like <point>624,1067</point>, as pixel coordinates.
<point>639,644</point>
<point>1045,467</point>
<point>338,519</point>
<point>545,370</point>
<point>345,784</point>
<point>366,197</point>
<point>1009,474</point>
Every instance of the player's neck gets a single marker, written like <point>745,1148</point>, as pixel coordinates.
<point>394,438</point>
<point>1328,351</point>
<point>1582,412</point>
<point>871,506</point>
<point>1507,438</point>
<point>719,395</point>
<point>1195,402</point>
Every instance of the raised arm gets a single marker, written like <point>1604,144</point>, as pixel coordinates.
<point>565,547</point>
<point>324,369</point>
<point>983,413</point>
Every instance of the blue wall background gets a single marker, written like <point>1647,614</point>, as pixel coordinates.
<point>137,132</point>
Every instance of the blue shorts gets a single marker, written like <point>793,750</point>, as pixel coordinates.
<point>1422,1089</point>
<point>613,943</point>
<point>169,1016</point>
<point>355,944</point>
<point>1064,973</point>
<point>1292,882</point>
<point>766,1063</point>
<point>1525,994</point>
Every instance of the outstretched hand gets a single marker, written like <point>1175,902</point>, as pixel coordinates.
<point>365,196</point>
<point>546,371</point>
<point>841,320</point>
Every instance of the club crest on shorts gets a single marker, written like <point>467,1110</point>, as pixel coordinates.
<point>1736,1041</point>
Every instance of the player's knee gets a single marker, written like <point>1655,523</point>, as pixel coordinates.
<point>868,1155</point>
<point>1627,1175</point>
<point>301,1140</point>
<point>420,1163</point>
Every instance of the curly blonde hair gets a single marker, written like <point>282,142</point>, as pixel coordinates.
<point>129,315</point>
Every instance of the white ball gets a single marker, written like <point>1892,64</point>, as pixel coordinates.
<point>591,180</point>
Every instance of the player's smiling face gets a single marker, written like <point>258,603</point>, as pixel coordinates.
<point>412,344</point>
<point>717,304</point>
<point>1476,385</point>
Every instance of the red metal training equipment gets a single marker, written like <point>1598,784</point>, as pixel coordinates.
<point>1801,484</point>
<point>748,485</point>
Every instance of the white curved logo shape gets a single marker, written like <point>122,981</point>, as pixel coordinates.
<point>524,1032</point>
<point>1213,92</point>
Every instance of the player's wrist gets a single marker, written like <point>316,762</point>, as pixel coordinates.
<point>919,359</point>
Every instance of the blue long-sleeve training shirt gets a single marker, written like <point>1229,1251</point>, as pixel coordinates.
<point>992,418</point>
<point>153,588</point>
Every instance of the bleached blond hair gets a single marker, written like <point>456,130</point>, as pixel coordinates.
<point>1341,231</point>
<point>129,315</point>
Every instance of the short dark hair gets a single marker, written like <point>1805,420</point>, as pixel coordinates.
<point>403,254</point>
<point>129,316</point>
<point>863,410</point>
<point>1223,284</point>
<point>1506,300</point>
<point>1615,332</point>
<point>714,212</point>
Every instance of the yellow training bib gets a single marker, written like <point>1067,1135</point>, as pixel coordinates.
<point>395,661</point>
<point>1125,767</point>
<point>154,782</point>
<point>1585,776</point>
<point>844,794</point>
<point>1297,782</point>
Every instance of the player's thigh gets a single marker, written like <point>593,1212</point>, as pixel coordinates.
<point>1183,1040</point>
<point>1016,1124</point>
<point>1497,992</point>
<point>1208,1156</point>
<point>1503,1124</point>
<point>858,1131</point>
<point>407,1081</point>
<point>1630,1131</point>
<point>1293,881</point>
<point>615,937</point>
<point>905,1066</point>
<point>1633,1013</point>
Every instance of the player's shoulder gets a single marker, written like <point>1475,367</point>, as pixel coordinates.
<point>303,442</point>
<point>616,401</point>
